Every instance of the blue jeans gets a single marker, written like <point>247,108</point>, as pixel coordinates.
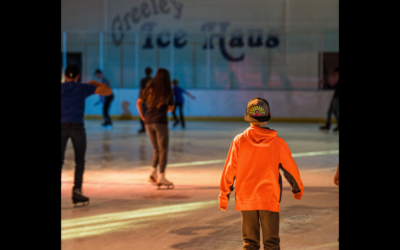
<point>75,131</point>
<point>333,108</point>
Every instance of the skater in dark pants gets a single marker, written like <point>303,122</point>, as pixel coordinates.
<point>106,100</point>
<point>143,84</point>
<point>255,159</point>
<point>178,98</point>
<point>73,95</point>
<point>333,107</point>
<point>159,99</point>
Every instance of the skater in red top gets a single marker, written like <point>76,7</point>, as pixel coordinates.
<point>253,165</point>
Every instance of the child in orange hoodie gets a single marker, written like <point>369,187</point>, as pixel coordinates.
<point>253,163</point>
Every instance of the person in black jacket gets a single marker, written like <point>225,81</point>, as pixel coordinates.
<point>334,106</point>
<point>73,95</point>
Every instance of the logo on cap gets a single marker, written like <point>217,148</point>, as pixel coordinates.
<point>70,74</point>
<point>256,111</point>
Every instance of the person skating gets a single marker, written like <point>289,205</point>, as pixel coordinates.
<point>159,99</point>
<point>106,100</point>
<point>143,84</point>
<point>73,95</point>
<point>178,98</point>
<point>333,106</point>
<point>253,165</point>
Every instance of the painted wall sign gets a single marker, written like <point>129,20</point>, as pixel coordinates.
<point>143,18</point>
<point>143,11</point>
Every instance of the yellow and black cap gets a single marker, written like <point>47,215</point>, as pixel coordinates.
<point>257,110</point>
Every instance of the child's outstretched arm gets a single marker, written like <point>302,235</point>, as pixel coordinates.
<point>228,176</point>
<point>191,96</point>
<point>290,170</point>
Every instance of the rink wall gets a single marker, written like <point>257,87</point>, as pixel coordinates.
<point>287,105</point>
<point>254,44</point>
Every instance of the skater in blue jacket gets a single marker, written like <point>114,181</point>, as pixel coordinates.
<point>73,95</point>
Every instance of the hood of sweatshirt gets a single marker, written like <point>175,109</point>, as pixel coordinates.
<point>260,137</point>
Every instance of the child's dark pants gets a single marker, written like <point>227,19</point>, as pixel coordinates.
<point>180,106</point>
<point>251,229</point>
<point>75,131</point>
<point>106,107</point>
<point>144,108</point>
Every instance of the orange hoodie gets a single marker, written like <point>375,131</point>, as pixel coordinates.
<point>253,163</point>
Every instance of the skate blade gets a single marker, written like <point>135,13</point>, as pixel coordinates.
<point>81,203</point>
<point>160,186</point>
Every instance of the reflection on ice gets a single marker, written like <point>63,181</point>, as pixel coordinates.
<point>105,223</point>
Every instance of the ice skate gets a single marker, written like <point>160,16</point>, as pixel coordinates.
<point>78,197</point>
<point>164,182</point>
<point>153,176</point>
<point>106,126</point>
<point>326,127</point>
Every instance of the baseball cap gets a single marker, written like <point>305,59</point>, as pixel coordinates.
<point>71,71</point>
<point>257,110</point>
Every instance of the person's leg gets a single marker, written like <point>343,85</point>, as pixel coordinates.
<point>78,138</point>
<point>336,112</point>
<point>330,111</point>
<point>162,141</point>
<point>176,121</point>
<point>143,127</point>
<point>270,229</point>
<point>152,133</point>
<point>64,140</point>
<point>106,107</point>
<point>105,117</point>
<point>250,230</point>
<point>144,108</point>
<point>328,120</point>
<point>181,114</point>
<point>109,99</point>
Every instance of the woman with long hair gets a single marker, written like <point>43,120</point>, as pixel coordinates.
<point>159,99</point>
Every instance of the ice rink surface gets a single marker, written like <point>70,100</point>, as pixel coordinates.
<point>127,212</point>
